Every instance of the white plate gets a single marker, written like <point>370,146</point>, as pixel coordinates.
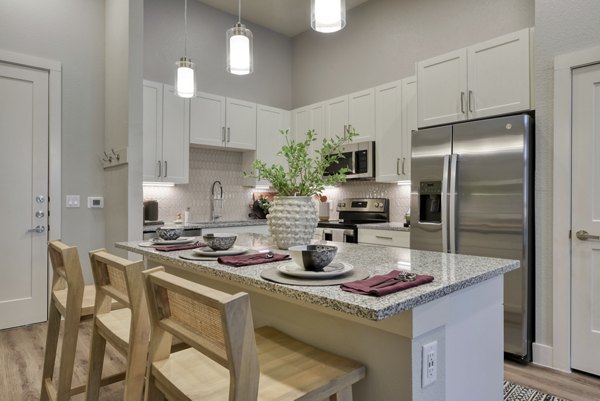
<point>334,269</point>
<point>178,241</point>
<point>234,250</point>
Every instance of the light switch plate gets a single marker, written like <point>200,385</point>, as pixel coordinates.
<point>73,201</point>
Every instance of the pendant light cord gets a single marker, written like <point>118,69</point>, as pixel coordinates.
<point>185,28</point>
<point>239,11</point>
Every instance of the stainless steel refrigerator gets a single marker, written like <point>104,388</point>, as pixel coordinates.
<point>472,193</point>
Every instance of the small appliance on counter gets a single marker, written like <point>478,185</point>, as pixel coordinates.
<point>151,213</point>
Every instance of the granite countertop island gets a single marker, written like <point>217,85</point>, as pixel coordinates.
<point>461,310</point>
<point>207,224</point>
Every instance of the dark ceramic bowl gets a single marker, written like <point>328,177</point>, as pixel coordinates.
<point>169,233</point>
<point>312,257</point>
<point>219,241</point>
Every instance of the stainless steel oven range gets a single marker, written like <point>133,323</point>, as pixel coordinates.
<point>352,213</point>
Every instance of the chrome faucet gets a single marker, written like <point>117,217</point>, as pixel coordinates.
<point>216,197</point>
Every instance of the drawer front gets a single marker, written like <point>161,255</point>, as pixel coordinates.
<point>399,239</point>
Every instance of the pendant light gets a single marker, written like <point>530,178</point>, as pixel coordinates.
<point>185,74</point>
<point>239,47</point>
<point>327,15</point>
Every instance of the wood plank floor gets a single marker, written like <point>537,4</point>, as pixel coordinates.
<point>22,350</point>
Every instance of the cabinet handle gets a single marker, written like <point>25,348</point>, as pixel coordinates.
<point>228,134</point>
<point>159,168</point>
<point>398,166</point>
<point>470,102</point>
<point>403,160</point>
<point>222,134</point>
<point>382,237</point>
<point>165,168</point>
<point>462,102</point>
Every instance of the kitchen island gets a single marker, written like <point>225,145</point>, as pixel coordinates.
<point>461,310</point>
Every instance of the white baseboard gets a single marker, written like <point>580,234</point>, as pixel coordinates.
<point>542,355</point>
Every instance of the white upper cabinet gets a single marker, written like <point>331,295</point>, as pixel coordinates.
<point>241,124</point>
<point>302,122</point>
<point>409,122</point>
<point>218,121</point>
<point>486,79</point>
<point>166,133</point>
<point>207,120</point>
<point>269,121</point>
<point>309,117</point>
<point>498,75</point>
<point>356,110</point>
<point>361,114</point>
<point>395,118</point>
<point>388,120</point>
<point>442,88</point>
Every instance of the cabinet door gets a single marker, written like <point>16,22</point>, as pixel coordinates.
<point>498,73</point>
<point>388,125</point>
<point>269,120</point>
<point>207,120</point>
<point>361,114</point>
<point>302,122</point>
<point>336,116</point>
<point>175,137</point>
<point>241,124</point>
<point>317,115</point>
<point>152,131</point>
<point>442,89</point>
<point>409,122</point>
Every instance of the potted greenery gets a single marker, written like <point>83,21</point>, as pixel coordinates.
<point>292,215</point>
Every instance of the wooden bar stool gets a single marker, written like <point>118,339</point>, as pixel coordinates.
<point>126,329</point>
<point>228,360</point>
<point>72,300</point>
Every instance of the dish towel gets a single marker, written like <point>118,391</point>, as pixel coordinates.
<point>252,259</point>
<point>366,287</point>
<point>169,248</point>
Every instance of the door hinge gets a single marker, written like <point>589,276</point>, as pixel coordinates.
<point>570,234</point>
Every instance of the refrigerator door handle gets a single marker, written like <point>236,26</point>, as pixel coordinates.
<point>445,177</point>
<point>452,211</point>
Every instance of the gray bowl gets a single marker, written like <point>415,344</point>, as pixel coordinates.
<point>219,241</point>
<point>312,257</point>
<point>169,233</point>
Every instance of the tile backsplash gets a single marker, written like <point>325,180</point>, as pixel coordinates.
<point>209,165</point>
<point>206,167</point>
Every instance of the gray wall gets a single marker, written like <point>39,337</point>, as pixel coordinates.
<point>72,32</point>
<point>270,84</point>
<point>561,27</point>
<point>384,38</point>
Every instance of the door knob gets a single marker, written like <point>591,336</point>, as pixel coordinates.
<point>584,235</point>
<point>37,229</point>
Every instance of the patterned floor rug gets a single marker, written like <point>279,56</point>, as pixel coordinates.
<point>515,392</point>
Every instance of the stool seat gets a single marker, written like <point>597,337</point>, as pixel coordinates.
<point>87,304</point>
<point>302,370</point>
<point>116,326</point>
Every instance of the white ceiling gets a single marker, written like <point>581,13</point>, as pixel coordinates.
<point>288,17</point>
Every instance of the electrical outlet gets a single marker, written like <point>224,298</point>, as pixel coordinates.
<point>429,364</point>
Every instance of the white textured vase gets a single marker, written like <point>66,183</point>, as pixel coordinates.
<point>292,220</point>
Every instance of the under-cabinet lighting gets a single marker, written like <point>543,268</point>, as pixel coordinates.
<point>406,182</point>
<point>262,187</point>
<point>158,184</point>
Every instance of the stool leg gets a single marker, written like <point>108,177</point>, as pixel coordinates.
<point>152,392</point>
<point>96,362</point>
<point>50,352</point>
<point>67,355</point>
<point>344,394</point>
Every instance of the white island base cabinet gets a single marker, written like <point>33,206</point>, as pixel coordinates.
<point>400,239</point>
<point>467,326</point>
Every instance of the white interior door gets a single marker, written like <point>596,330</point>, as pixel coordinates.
<point>24,166</point>
<point>585,203</point>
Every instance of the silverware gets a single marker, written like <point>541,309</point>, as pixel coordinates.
<point>262,255</point>
<point>400,277</point>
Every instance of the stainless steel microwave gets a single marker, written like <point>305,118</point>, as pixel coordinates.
<point>359,158</point>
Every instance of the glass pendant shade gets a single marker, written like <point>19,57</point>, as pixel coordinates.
<point>185,78</point>
<point>239,50</point>
<point>327,15</point>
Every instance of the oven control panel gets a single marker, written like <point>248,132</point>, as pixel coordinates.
<point>362,205</point>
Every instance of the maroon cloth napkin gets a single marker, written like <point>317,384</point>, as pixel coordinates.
<point>252,259</point>
<point>365,287</point>
<point>169,248</point>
